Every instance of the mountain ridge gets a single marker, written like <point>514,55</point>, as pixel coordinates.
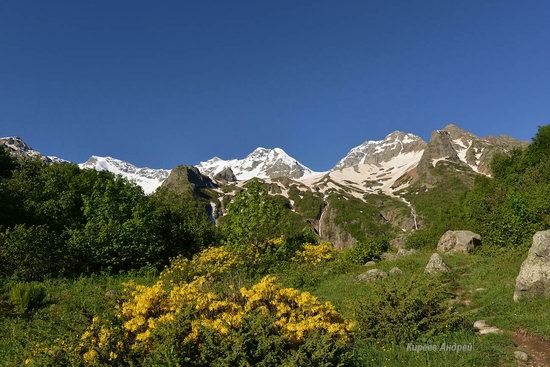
<point>373,166</point>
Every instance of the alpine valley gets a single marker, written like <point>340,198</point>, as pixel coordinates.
<point>380,187</point>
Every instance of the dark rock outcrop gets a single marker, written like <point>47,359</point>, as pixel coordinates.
<point>226,175</point>
<point>187,179</point>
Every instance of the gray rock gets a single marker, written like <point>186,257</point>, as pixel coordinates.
<point>482,328</point>
<point>521,356</point>
<point>226,174</point>
<point>458,241</point>
<point>534,276</point>
<point>395,271</point>
<point>436,265</point>
<point>370,263</point>
<point>372,275</point>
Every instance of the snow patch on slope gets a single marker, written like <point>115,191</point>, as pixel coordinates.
<point>261,163</point>
<point>148,178</point>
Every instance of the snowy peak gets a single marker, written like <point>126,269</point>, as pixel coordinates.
<point>18,148</point>
<point>148,178</point>
<point>261,163</point>
<point>379,151</point>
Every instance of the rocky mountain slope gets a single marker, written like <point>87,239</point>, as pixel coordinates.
<point>17,147</point>
<point>379,151</point>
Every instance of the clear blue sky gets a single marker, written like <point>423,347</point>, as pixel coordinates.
<point>160,83</point>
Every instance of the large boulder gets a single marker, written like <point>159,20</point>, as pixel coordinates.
<point>458,241</point>
<point>372,275</point>
<point>436,265</point>
<point>534,276</point>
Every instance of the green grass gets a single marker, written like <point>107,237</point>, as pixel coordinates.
<point>73,302</point>
<point>495,304</point>
<point>71,305</point>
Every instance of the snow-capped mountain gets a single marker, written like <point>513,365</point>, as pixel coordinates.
<point>379,151</point>
<point>17,147</point>
<point>376,166</point>
<point>148,178</point>
<point>261,163</point>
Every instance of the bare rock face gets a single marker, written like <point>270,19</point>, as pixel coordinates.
<point>331,231</point>
<point>458,241</point>
<point>436,265</point>
<point>226,174</point>
<point>534,276</point>
<point>372,275</point>
<point>187,179</point>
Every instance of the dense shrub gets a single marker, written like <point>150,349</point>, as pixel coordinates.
<point>370,249</point>
<point>212,263</point>
<point>316,253</point>
<point>7,163</point>
<point>59,220</point>
<point>189,324</point>
<point>510,208</point>
<point>404,311</point>
<point>31,253</point>
<point>253,217</point>
<point>26,297</point>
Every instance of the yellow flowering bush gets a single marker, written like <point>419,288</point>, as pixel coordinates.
<point>315,254</point>
<point>210,263</point>
<point>297,313</point>
<point>192,312</point>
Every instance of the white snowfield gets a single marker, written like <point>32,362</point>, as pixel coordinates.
<point>366,178</point>
<point>377,151</point>
<point>257,164</point>
<point>148,178</point>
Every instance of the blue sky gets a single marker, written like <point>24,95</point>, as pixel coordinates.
<point>161,83</point>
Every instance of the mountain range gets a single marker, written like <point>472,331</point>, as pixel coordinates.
<point>379,162</point>
<point>381,177</point>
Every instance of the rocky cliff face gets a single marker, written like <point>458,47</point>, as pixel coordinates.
<point>478,152</point>
<point>440,148</point>
<point>378,151</point>
<point>187,179</point>
<point>226,174</point>
<point>332,232</point>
